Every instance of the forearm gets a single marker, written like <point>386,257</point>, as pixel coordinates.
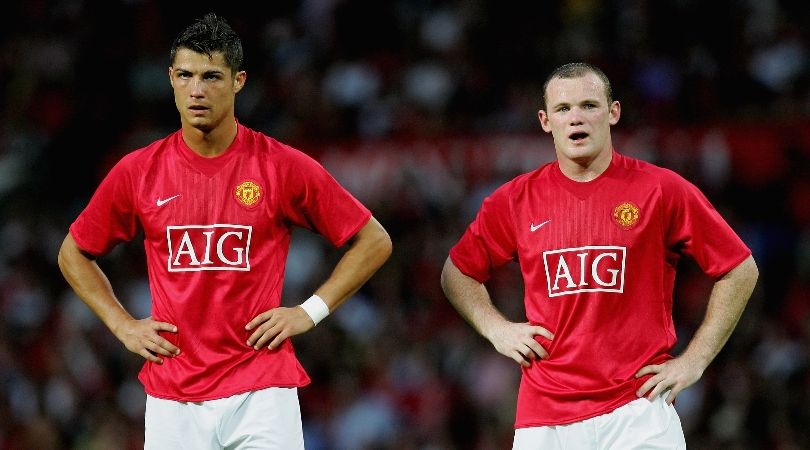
<point>728,299</point>
<point>91,285</point>
<point>471,299</point>
<point>370,248</point>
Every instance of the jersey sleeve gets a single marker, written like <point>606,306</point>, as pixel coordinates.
<point>110,217</point>
<point>698,231</point>
<point>314,200</point>
<point>489,241</point>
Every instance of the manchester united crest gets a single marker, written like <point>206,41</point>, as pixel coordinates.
<point>626,215</point>
<point>248,193</point>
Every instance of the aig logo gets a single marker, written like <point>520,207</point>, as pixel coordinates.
<point>209,247</point>
<point>585,269</point>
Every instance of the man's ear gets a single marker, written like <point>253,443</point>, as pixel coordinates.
<point>615,112</point>
<point>239,81</point>
<point>543,118</point>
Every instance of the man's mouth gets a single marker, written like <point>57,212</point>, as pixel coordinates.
<point>578,136</point>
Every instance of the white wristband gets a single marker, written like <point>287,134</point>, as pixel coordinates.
<point>316,308</point>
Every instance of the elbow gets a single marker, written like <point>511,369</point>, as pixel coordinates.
<point>746,275</point>
<point>70,255</point>
<point>753,270</point>
<point>376,241</point>
<point>748,269</point>
<point>62,256</point>
<point>384,246</point>
<point>444,283</point>
<point>379,244</point>
<point>446,277</point>
<point>60,261</point>
<point>754,267</point>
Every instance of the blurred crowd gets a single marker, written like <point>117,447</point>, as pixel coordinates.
<point>421,108</point>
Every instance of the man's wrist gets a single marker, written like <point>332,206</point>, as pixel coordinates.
<point>316,308</point>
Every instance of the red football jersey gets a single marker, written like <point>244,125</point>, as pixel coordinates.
<point>598,260</point>
<point>217,232</point>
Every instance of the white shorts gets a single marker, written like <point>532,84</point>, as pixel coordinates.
<point>265,419</point>
<point>640,424</point>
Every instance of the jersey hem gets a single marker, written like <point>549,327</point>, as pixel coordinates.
<point>355,231</point>
<point>225,395</point>
<point>82,244</point>
<point>733,266</point>
<point>591,415</point>
<point>461,266</point>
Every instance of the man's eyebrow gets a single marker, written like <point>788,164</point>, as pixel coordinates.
<point>205,72</point>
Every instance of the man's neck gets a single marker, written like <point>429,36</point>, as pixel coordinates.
<point>586,170</point>
<point>210,143</point>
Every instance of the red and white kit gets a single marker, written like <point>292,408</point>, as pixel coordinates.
<point>217,233</point>
<point>598,261</point>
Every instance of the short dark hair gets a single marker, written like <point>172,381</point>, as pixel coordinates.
<point>576,70</point>
<point>208,35</point>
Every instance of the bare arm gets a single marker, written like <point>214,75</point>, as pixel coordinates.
<point>471,299</point>
<point>369,249</point>
<point>729,296</point>
<point>92,286</point>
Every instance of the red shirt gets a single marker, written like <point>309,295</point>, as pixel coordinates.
<point>598,261</point>
<point>217,232</point>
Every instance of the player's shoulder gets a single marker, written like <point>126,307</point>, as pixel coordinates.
<point>670,182</point>
<point>269,145</point>
<point>519,185</point>
<point>642,168</point>
<point>138,159</point>
<point>539,175</point>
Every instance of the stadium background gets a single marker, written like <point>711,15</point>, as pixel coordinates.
<point>420,107</point>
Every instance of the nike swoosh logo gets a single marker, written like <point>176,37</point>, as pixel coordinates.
<point>534,227</point>
<point>161,202</point>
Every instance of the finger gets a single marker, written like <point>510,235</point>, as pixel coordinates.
<point>267,336</point>
<point>519,358</point>
<point>164,326</point>
<point>672,394</point>
<point>527,354</point>
<point>278,340</point>
<point>538,349</point>
<point>256,335</point>
<point>254,338</point>
<point>150,357</point>
<point>156,349</point>
<point>649,384</point>
<point>167,347</point>
<point>653,368</point>
<point>540,331</point>
<point>657,390</point>
<point>258,320</point>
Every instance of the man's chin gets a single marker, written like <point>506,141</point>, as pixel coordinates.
<point>201,124</point>
<point>204,127</point>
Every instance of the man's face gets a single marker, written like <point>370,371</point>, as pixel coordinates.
<point>204,88</point>
<point>579,117</point>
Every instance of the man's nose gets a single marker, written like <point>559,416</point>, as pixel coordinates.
<point>197,87</point>
<point>575,116</point>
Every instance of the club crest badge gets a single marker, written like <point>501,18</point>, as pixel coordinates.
<point>248,194</point>
<point>626,215</point>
